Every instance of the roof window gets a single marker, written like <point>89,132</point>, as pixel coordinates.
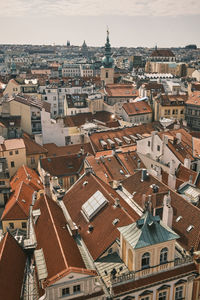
<point>94,204</point>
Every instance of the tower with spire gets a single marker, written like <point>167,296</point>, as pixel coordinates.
<point>107,70</point>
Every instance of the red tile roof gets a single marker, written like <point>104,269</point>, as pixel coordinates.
<point>31,101</point>
<point>28,176</point>
<point>12,265</point>
<point>181,207</point>
<point>32,147</point>
<point>121,90</point>
<point>80,119</point>
<point>59,244</point>
<point>103,233</point>
<point>162,53</point>
<point>137,108</point>
<point>63,165</point>
<point>119,133</point>
<point>194,98</point>
<point>54,150</point>
<point>17,207</point>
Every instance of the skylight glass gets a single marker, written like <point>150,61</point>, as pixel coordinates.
<point>94,204</point>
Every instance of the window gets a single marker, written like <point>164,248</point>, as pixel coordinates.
<point>60,181</point>
<point>32,160</point>
<point>149,143</point>
<point>2,182</point>
<point>23,224</point>
<point>163,255</point>
<point>16,152</point>
<point>11,225</point>
<point>65,291</point>
<point>145,260</point>
<point>10,153</point>
<point>71,180</point>
<point>76,288</point>
<point>158,148</point>
<point>179,292</point>
<point>12,164</point>
<point>162,296</point>
<point>106,74</point>
<point>145,298</point>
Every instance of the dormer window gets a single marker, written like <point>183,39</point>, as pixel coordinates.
<point>146,260</point>
<point>163,255</point>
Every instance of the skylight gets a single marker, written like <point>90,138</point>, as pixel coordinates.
<point>94,204</point>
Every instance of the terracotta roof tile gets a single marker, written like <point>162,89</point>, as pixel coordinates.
<point>59,244</point>
<point>119,133</point>
<point>54,150</point>
<point>32,147</point>
<point>162,53</point>
<point>194,98</point>
<point>136,108</point>
<point>63,165</point>
<point>121,90</point>
<point>181,207</point>
<point>17,207</point>
<point>28,176</point>
<point>12,264</point>
<point>103,233</point>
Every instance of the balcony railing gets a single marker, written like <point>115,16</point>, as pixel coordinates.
<point>132,275</point>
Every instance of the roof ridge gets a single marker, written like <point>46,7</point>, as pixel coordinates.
<point>4,242</point>
<point>56,232</point>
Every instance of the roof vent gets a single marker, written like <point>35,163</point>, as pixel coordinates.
<point>117,202</point>
<point>90,228</point>
<point>189,228</point>
<point>179,218</point>
<point>115,221</point>
<point>144,175</point>
<point>85,183</point>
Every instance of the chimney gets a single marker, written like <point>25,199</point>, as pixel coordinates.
<point>54,181</point>
<point>172,168</point>
<point>144,175</point>
<point>178,136</point>
<point>153,139</point>
<point>47,184</point>
<point>167,217</point>
<point>117,202</point>
<point>187,163</point>
<point>165,139</point>
<point>190,179</point>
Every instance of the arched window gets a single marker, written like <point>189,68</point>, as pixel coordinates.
<point>145,260</point>
<point>163,255</point>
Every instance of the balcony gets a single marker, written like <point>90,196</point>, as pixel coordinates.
<point>136,275</point>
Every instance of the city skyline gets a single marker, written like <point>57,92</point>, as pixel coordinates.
<point>132,24</point>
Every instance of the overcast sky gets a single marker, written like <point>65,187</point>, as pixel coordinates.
<point>132,23</point>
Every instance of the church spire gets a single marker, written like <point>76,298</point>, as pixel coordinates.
<point>108,60</point>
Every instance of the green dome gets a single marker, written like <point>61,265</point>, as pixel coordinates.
<point>107,61</point>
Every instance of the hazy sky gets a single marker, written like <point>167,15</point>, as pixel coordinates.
<point>131,22</point>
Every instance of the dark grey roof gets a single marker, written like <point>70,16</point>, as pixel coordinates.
<point>147,231</point>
